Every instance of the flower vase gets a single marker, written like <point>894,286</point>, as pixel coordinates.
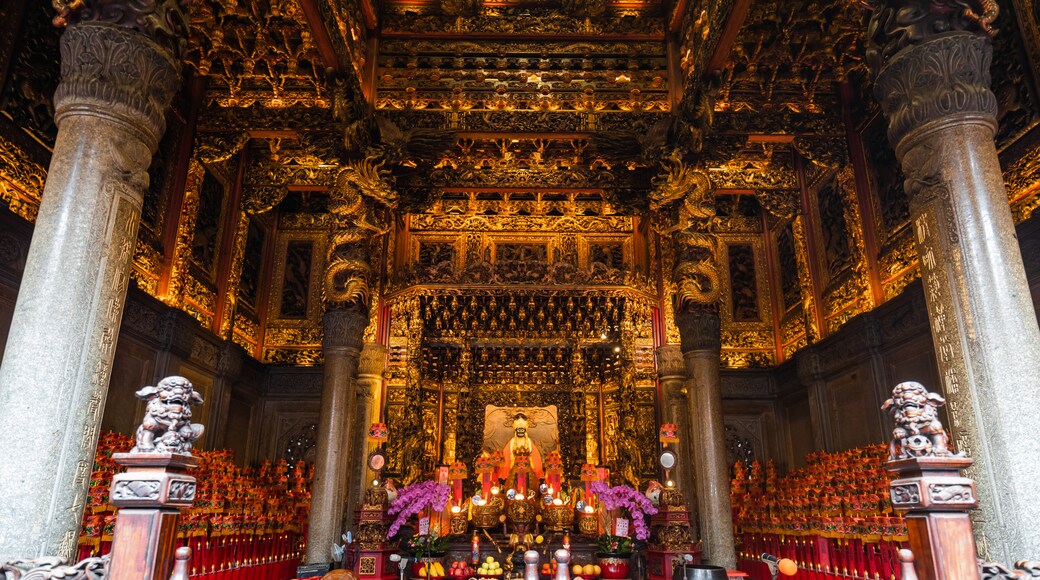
<point>613,566</point>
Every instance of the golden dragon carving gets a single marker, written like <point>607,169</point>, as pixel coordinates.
<point>682,205</point>
<point>360,189</point>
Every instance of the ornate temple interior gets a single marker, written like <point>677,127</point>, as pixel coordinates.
<point>567,235</point>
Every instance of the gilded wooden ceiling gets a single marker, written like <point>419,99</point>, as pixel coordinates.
<point>566,131</point>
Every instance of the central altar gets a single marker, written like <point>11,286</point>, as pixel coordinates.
<point>578,365</point>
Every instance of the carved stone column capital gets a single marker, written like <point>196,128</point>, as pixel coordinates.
<point>110,71</point>
<point>699,330</point>
<point>943,79</point>
<point>373,360</point>
<point>899,24</point>
<point>670,363</point>
<point>165,22</point>
<point>344,328</point>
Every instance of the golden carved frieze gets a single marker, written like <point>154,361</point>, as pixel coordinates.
<point>305,221</point>
<point>590,118</point>
<point>579,178</point>
<point>515,94</point>
<point>511,152</point>
<point>523,203</point>
<point>281,334</point>
<point>747,339</point>
<point>21,180</point>
<point>255,117</point>
<point>520,223</point>
<point>477,54</point>
<point>318,175</point>
<point>292,356</point>
<point>416,20</point>
<point>734,359</point>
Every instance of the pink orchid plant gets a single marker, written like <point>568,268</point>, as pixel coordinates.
<point>625,497</point>
<point>414,499</point>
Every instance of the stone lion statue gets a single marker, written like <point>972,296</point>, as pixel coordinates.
<point>918,431</point>
<point>167,426</point>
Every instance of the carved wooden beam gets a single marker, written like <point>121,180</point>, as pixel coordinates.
<point>775,286</point>
<point>677,16</point>
<point>729,35</point>
<point>369,14</point>
<point>522,136</point>
<point>812,253</point>
<point>197,92</point>
<point>863,195</point>
<point>321,35</point>
<point>228,248</point>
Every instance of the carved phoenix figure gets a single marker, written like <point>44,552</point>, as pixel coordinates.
<point>918,432</point>
<point>167,426</point>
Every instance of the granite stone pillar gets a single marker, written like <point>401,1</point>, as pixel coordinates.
<point>120,67</point>
<point>934,90</point>
<point>671,372</point>
<point>699,332</point>
<point>368,391</point>
<point>341,345</point>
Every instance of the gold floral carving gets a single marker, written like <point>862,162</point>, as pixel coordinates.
<point>21,180</point>
<point>898,263</point>
<point>147,267</point>
<point>246,332</point>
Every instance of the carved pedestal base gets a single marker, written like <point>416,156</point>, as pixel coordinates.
<point>937,501</point>
<point>376,565</point>
<point>149,495</point>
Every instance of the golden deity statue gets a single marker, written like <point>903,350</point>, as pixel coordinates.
<point>520,444</point>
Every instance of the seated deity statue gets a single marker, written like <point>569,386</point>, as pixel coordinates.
<point>520,444</point>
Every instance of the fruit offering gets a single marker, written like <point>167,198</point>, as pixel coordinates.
<point>431,570</point>
<point>549,569</point>
<point>489,567</point>
<point>460,569</point>
<point>587,572</point>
